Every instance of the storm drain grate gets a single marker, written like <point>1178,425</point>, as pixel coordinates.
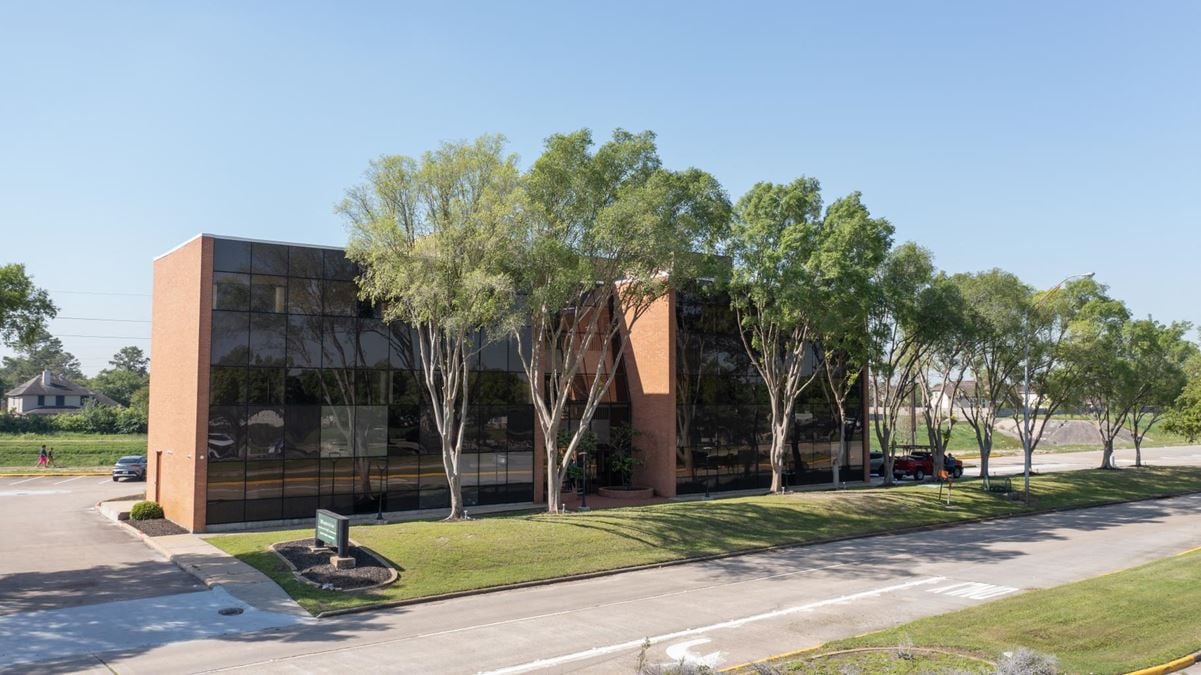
<point>229,611</point>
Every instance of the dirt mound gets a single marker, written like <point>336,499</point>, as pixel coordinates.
<point>1064,432</point>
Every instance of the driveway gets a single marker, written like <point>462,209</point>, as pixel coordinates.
<point>60,552</point>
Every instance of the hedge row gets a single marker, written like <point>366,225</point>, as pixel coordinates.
<point>91,419</point>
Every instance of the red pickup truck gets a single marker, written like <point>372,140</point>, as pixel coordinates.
<point>921,464</point>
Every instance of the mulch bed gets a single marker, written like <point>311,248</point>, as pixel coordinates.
<point>314,566</point>
<point>157,527</point>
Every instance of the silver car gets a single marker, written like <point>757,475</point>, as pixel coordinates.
<point>130,466</point>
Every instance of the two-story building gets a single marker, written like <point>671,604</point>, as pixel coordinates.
<point>49,394</point>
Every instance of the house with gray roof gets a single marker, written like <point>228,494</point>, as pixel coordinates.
<point>49,394</point>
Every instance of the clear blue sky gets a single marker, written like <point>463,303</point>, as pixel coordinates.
<point>1044,138</point>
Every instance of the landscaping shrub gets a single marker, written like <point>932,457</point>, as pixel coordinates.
<point>146,510</point>
<point>1024,661</point>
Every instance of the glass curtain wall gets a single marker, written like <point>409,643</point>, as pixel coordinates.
<point>314,402</point>
<point>723,433</point>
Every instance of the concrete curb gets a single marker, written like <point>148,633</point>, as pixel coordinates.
<point>721,556</point>
<point>1170,666</point>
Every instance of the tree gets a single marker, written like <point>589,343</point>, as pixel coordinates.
<point>853,247</point>
<point>1054,380</point>
<point>1184,416</point>
<point>24,308</point>
<point>610,232</point>
<point>42,352</point>
<point>131,359</point>
<point>431,236</point>
<point>1102,355</point>
<point>903,326</point>
<point>941,370</point>
<point>995,303</point>
<point>1160,353</point>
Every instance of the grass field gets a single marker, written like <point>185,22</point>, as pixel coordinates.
<point>438,557</point>
<point>1115,623</point>
<point>71,451</point>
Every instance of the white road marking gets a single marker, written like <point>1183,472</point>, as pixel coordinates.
<point>974,590</point>
<point>27,480</point>
<point>106,480</point>
<point>733,623</point>
<point>535,617</point>
<point>680,653</point>
<point>32,491</point>
<point>69,480</point>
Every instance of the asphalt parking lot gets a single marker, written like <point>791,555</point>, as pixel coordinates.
<point>59,551</point>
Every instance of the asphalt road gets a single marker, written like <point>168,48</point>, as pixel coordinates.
<point>60,552</point>
<point>721,612</point>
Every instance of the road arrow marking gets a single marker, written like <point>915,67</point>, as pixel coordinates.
<point>680,653</point>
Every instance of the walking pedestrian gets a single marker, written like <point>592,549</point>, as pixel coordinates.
<point>50,457</point>
<point>42,459</point>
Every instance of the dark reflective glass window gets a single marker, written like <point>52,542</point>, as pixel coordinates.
<point>302,431</point>
<point>264,432</point>
<point>304,386</point>
<point>268,294</point>
<point>338,347</point>
<point>264,480</point>
<point>304,341</point>
<point>495,355</point>
<point>406,387</point>
<point>265,386</point>
<point>469,469</point>
<point>371,430</point>
<point>231,291</point>
<point>494,425</point>
<point>403,474</point>
<point>231,337</point>
<point>337,429</point>
<point>515,356</point>
<point>491,468</point>
<point>268,339</point>
<point>227,386</point>
<point>373,344</point>
<point>226,481</point>
<point>338,387</point>
<point>269,259</point>
<point>304,296</point>
<point>499,388</point>
<point>403,347</point>
<point>264,509</point>
<point>304,262</point>
<point>231,256</point>
<point>341,298</point>
<point>404,429</point>
<point>337,476</point>
<point>434,490</point>
<point>520,467</point>
<point>227,433</point>
<point>338,267</point>
<point>519,429</point>
<point>300,478</point>
<point>372,387</point>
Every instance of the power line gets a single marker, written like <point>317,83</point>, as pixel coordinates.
<point>113,337</point>
<point>140,295</point>
<point>82,318</point>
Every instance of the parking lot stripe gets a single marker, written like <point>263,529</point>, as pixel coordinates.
<point>69,480</point>
<point>106,480</point>
<point>27,480</point>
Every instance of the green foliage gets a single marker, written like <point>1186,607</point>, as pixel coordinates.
<point>131,359</point>
<point>41,352</point>
<point>118,384</point>
<point>1184,415</point>
<point>24,308</point>
<point>146,510</point>
<point>91,419</point>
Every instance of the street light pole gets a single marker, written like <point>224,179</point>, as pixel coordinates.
<point>1027,428</point>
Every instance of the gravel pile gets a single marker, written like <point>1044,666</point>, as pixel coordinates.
<point>314,566</point>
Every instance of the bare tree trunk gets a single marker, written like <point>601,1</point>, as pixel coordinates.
<point>1107,461</point>
<point>985,453</point>
<point>1138,449</point>
<point>457,511</point>
<point>842,447</point>
<point>777,460</point>
<point>554,491</point>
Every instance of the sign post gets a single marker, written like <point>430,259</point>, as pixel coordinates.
<point>333,530</point>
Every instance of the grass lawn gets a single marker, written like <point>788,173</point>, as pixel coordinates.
<point>436,557</point>
<point>1114,623</point>
<point>71,451</point>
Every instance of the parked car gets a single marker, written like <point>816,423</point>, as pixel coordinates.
<point>130,466</point>
<point>921,464</point>
<point>876,463</point>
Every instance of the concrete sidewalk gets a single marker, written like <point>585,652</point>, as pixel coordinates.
<point>213,567</point>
